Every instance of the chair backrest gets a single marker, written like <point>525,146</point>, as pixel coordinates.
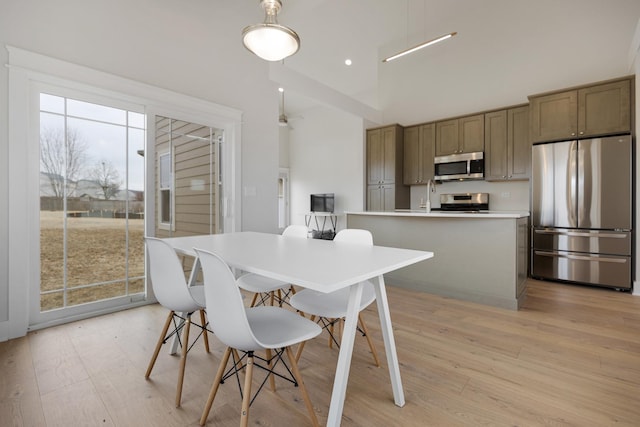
<point>225,309</point>
<point>167,277</point>
<point>296,231</point>
<point>354,235</point>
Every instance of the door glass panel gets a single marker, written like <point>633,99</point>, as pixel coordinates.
<point>91,202</point>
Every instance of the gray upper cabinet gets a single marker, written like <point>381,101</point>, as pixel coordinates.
<point>597,110</point>
<point>463,135</point>
<point>419,144</point>
<point>507,144</point>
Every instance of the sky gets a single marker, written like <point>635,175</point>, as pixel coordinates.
<point>104,131</point>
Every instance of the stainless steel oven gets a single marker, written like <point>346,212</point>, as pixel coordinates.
<point>459,166</point>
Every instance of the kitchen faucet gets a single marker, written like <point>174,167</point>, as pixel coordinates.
<point>431,188</point>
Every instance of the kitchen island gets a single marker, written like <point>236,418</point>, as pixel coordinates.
<point>480,256</point>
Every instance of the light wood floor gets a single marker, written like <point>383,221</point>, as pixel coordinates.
<point>570,357</point>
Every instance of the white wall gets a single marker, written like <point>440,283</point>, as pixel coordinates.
<point>326,154</point>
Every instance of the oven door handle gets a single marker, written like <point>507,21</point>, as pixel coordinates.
<point>582,257</point>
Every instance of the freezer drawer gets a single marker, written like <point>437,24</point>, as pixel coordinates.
<point>576,240</point>
<point>603,270</point>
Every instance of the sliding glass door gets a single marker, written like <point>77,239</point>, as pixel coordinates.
<point>91,200</point>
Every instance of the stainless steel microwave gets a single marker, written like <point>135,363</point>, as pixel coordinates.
<point>459,166</point>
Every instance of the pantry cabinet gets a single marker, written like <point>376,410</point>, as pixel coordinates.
<point>385,164</point>
<point>589,111</point>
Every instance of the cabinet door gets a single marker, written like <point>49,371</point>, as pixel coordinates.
<point>389,155</point>
<point>447,137</point>
<point>471,134</point>
<point>554,117</point>
<point>375,157</point>
<point>496,152</point>
<point>604,109</point>
<point>374,198</point>
<point>427,148</point>
<point>412,164</point>
<point>519,143</point>
<point>388,196</point>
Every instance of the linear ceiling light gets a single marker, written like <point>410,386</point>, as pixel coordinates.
<point>270,40</point>
<point>418,47</point>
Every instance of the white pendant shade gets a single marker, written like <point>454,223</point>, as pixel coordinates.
<point>271,42</point>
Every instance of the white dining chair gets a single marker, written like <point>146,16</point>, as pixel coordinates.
<point>250,329</point>
<point>330,308</point>
<point>172,292</point>
<point>266,289</point>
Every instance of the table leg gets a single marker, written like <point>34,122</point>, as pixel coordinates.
<point>344,358</point>
<point>389,340</point>
<point>195,269</point>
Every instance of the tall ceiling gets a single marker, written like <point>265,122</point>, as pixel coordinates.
<point>535,46</point>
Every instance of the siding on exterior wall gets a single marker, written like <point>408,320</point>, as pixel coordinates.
<point>195,176</point>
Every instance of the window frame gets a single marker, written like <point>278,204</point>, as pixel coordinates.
<point>162,224</point>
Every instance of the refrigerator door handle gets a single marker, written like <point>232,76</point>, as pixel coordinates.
<point>572,183</point>
<point>582,257</point>
<point>582,234</point>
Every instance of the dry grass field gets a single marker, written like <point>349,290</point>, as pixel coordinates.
<point>97,251</point>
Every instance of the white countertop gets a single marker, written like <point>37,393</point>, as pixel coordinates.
<point>445,214</point>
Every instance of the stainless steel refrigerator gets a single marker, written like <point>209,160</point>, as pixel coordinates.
<point>582,211</point>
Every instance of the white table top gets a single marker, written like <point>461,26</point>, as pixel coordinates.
<point>321,265</point>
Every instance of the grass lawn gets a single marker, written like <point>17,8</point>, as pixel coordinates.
<point>96,253</point>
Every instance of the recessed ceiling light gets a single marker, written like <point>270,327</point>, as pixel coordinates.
<point>280,89</point>
<point>347,61</point>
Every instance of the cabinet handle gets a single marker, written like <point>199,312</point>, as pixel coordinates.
<point>581,133</point>
<point>573,134</point>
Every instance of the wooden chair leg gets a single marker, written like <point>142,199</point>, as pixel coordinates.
<point>254,299</point>
<point>163,334</point>
<point>183,359</point>
<point>369,340</point>
<point>273,297</point>
<point>203,322</point>
<point>272,380</point>
<point>303,389</point>
<point>215,385</point>
<point>246,393</point>
<point>331,332</point>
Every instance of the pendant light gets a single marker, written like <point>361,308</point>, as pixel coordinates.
<point>270,40</point>
<point>420,46</point>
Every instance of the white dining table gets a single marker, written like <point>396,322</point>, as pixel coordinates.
<point>324,266</point>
